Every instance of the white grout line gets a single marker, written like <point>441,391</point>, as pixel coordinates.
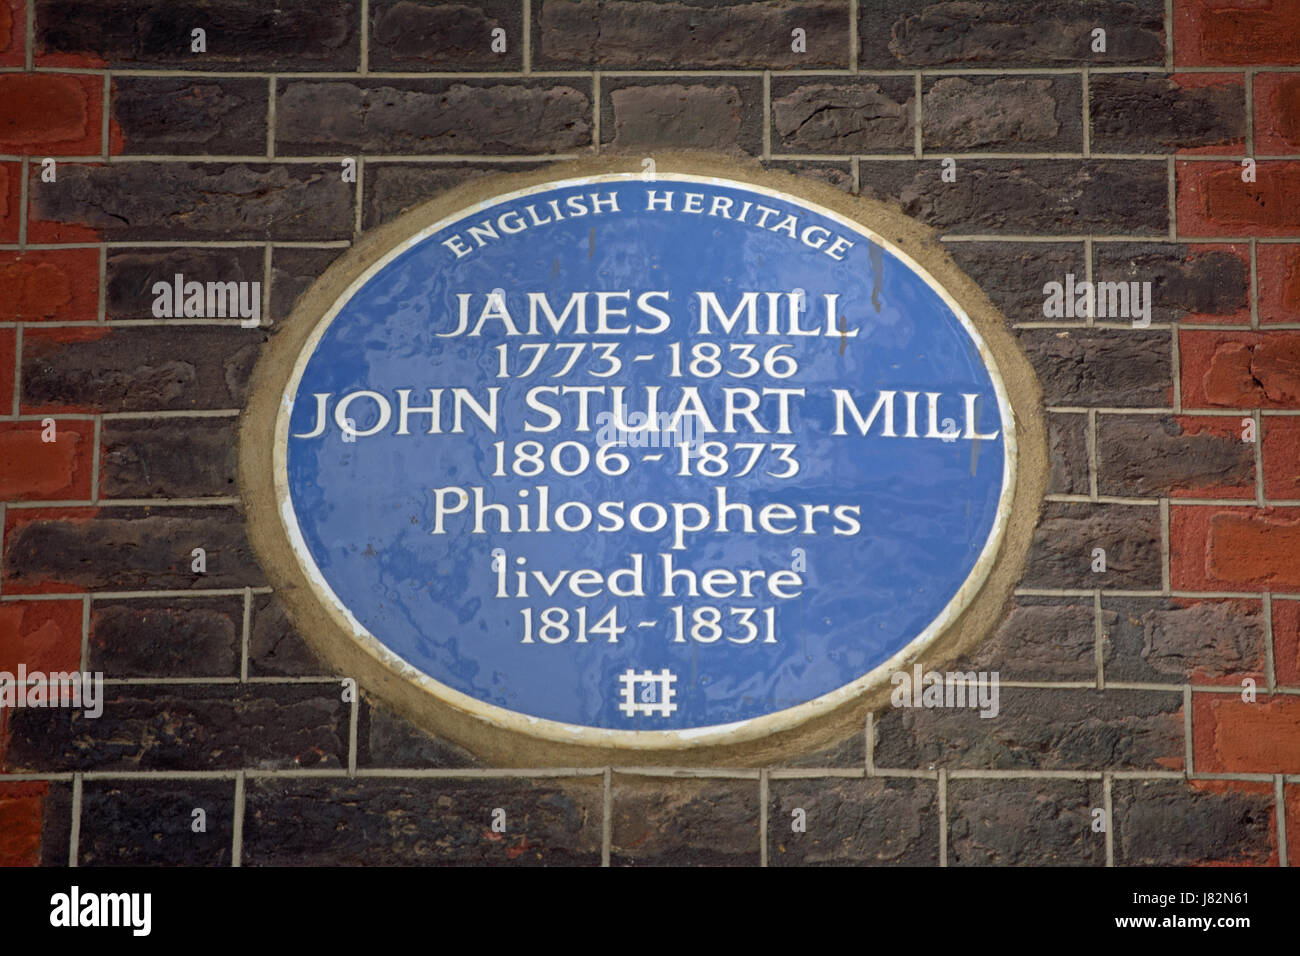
<point>1279,810</point>
<point>763,797</point>
<point>74,837</point>
<point>237,825</point>
<point>1108,806</point>
<point>1270,669</point>
<point>943,817</point>
<point>607,809</point>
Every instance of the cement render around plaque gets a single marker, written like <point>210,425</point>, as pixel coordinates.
<point>512,738</point>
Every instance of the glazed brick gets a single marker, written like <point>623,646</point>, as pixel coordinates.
<point>1234,549</point>
<point>293,271</point>
<point>151,823</point>
<point>131,274</point>
<point>1157,113</point>
<point>837,174</point>
<point>44,635</point>
<point>187,727</point>
<point>1236,32</point>
<point>1024,823</point>
<point>167,637</point>
<point>50,114</point>
<point>168,457</point>
<point>1142,456</point>
<point>141,368</point>
<point>1242,370</point>
<point>1189,283</point>
<point>879,822</point>
<point>35,820</point>
<point>703,113</point>
<point>1039,729</point>
<point>732,34</point>
<point>1286,642</point>
<point>1277,113</point>
<point>1061,555</point>
<point>241,34</point>
<point>432,116</point>
<point>170,115</point>
<point>1164,640</point>
<point>1279,282</point>
<point>1213,200</point>
<point>690,822</point>
<point>1012,274</point>
<point>1281,457</point>
<point>124,548</point>
<point>1111,367</point>
<point>1067,446</point>
<point>390,189</point>
<point>1026,197</point>
<point>902,34</point>
<point>1170,823</point>
<point>275,648</point>
<point>55,284</point>
<point>1039,639</point>
<point>842,116</point>
<point>433,35</point>
<point>1233,736</point>
<point>161,201</point>
<point>385,739</point>
<point>1020,114</point>
<point>554,821</point>
<point>32,469</point>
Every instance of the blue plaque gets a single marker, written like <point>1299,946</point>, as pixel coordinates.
<point>616,456</point>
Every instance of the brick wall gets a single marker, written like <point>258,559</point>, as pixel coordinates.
<point>1121,690</point>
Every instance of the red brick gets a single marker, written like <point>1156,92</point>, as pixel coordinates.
<point>1213,201</point>
<point>11,180</point>
<point>7,345</point>
<point>1286,643</point>
<point>1232,736</point>
<point>50,114</point>
<point>1234,549</point>
<point>1279,282</point>
<point>22,807</point>
<point>1240,369</point>
<point>1291,800</point>
<point>13,33</point>
<point>1236,32</point>
<point>32,469</point>
<point>1281,457</point>
<point>1277,113</point>
<point>1229,146</point>
<point>44,635</point>
<point>58,284</point>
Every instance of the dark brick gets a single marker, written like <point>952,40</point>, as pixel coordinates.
<point>878,822</point>
<point>1039,729</point>
<point>188,727</point>
<point>168,115</point>
<point>180,201</point>
<point>1041,638</point>
<point>857,115</point>
<point>1109,367</point>
<point>839,175</point>
<point>1013,274</point>
<point>123,548</point>
<point>1180,641</point>
<point>168,457</point>
<point>1024,823</point>
<point>435,35</point>
<point>1152,455</point>
<point>151,823</point>
<point>1153,113</point>
<point>1171,823</point>
<point>241,34</point>
<point>391,823</point>
<point>1022,197</point>
<point>275,648</point>
<point>1186,281</point>
<point>684,822</point>
<point>1061,553</point>
<point>167,637</point>
<point>390,189</point>
<point>56,828</point>
<point>707,113</point>
<point>733,34</point>
<point>293,271</point>
<point>1014,113</point>
<point>140,368</point>
<point>918,33</point>
<point>1067,446</point>
<point>131,274</point>
<point>385,739</point>
<point>432,116</point>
